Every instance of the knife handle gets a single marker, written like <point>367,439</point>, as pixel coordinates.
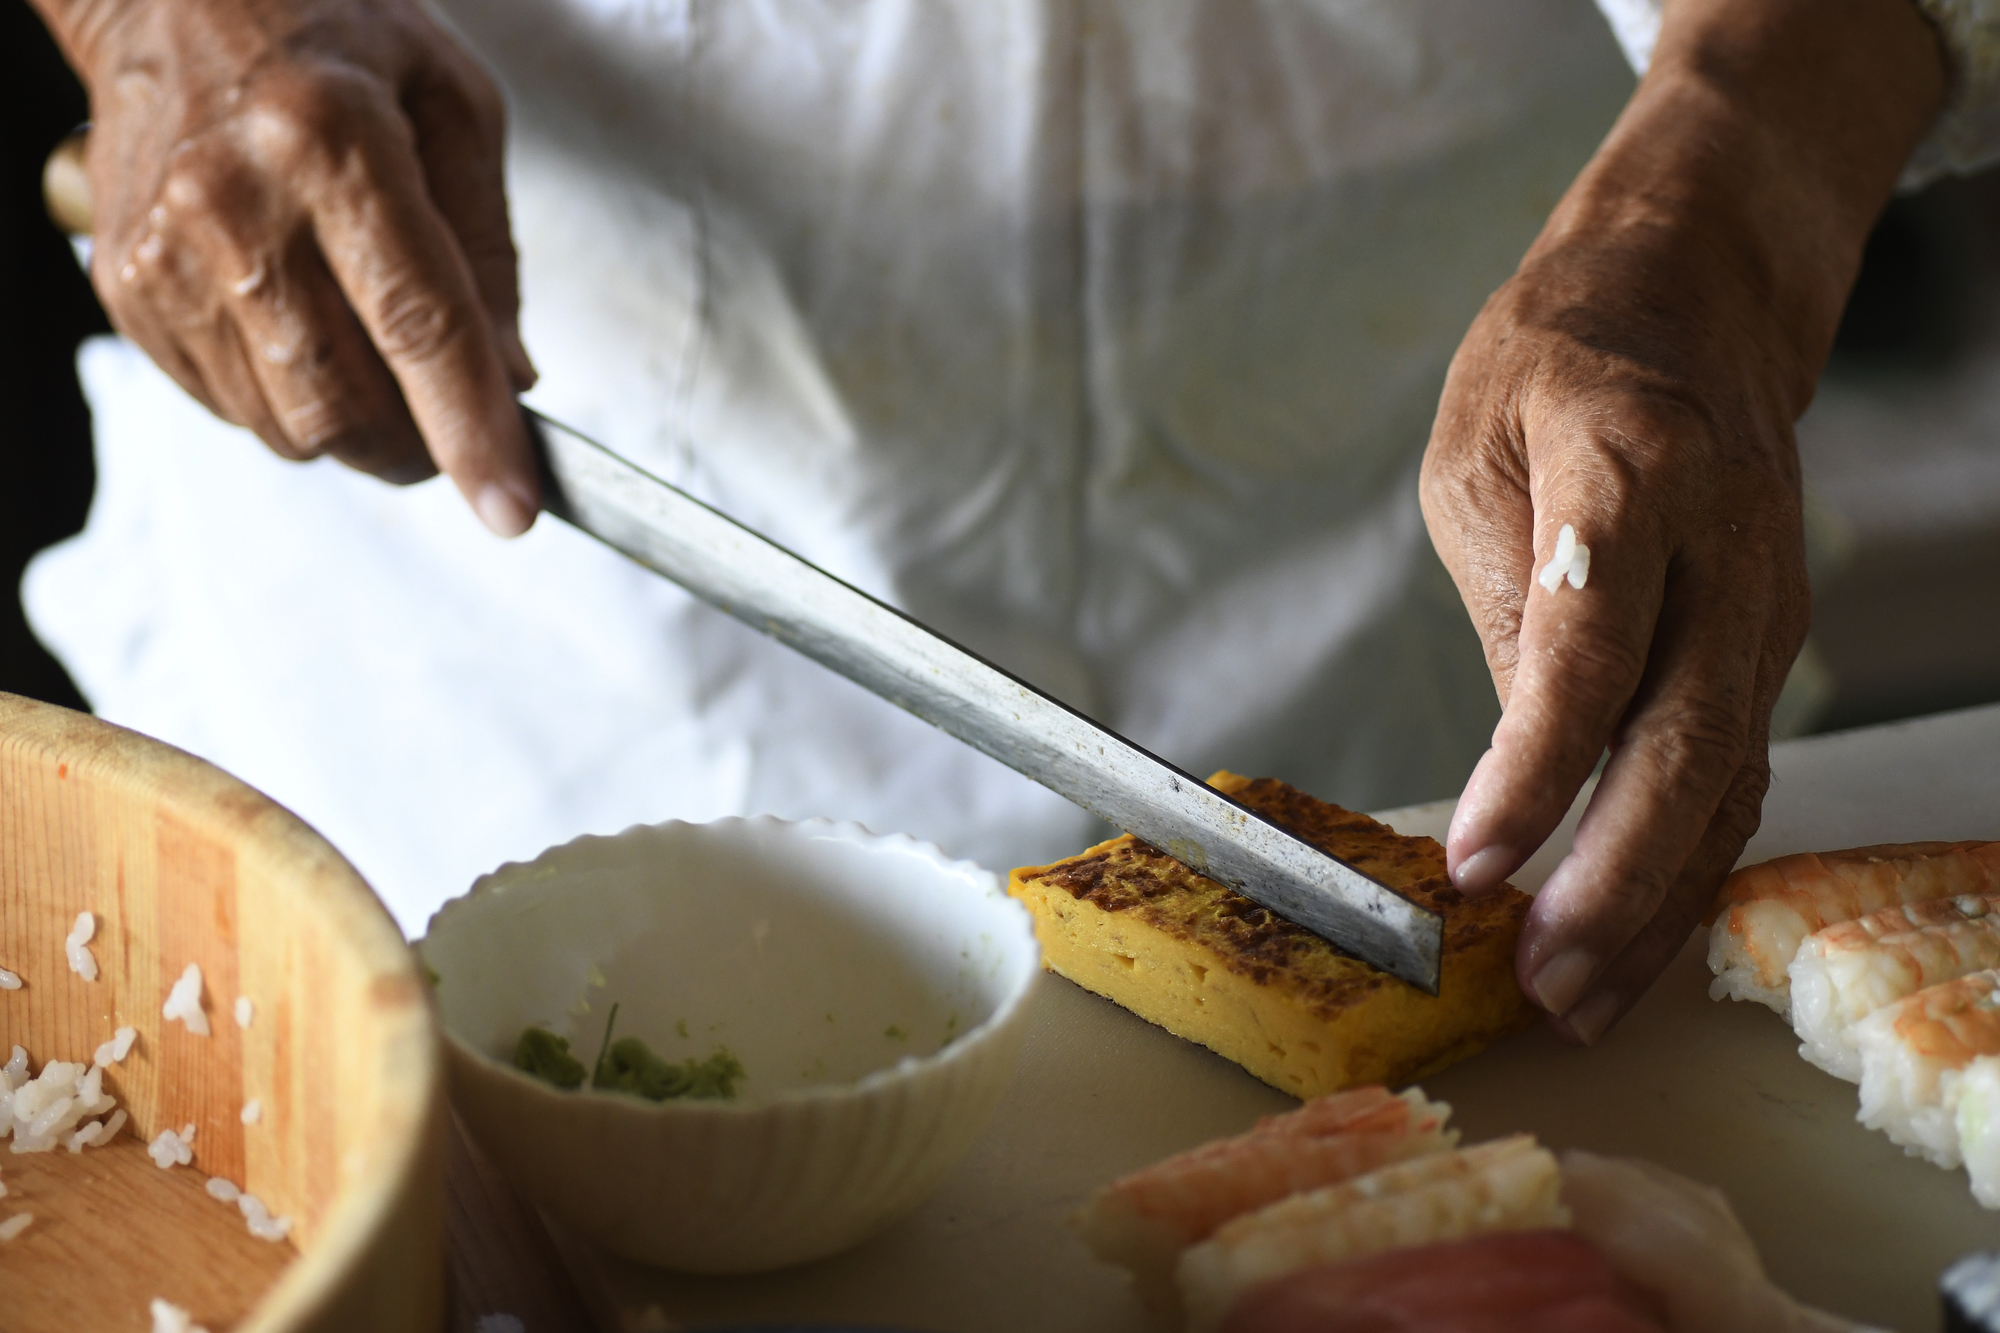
<point>66,185</point>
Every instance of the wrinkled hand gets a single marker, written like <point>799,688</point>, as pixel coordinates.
<point>299,215</point>
<point>1638,379</point>
<point>1669,449</point>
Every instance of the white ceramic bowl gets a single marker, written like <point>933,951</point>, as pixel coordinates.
<point>873,990</point>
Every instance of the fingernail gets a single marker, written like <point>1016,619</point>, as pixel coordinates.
<point>500,509</point>
<point>1484,870</point>
<point>1560,982</point>
<point>1589,1019</point>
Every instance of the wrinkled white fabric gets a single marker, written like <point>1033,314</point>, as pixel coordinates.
<point>1966,135</point>
<point>1105,337</point>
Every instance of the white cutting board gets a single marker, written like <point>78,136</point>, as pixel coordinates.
<point>1716,1091</point>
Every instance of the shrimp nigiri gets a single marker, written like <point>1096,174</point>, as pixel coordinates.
<point>1848,971</point>
<point>1506,1185</point>
<point>1143,1221</point>
<point>1912,1055</point>
<point>1764,912</point>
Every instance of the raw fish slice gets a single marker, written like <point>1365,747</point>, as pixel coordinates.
<point>1507,1185</point>
<point>1848,971</point>
<point>1912,1053</point>
<point>1978,1124</point>
<point>1680,1242</point>
<point>1143,1221</point>
<point>1507,1282</point>
<point>1764,912</point>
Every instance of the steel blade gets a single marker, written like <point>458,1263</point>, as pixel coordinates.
<point>891,655</point>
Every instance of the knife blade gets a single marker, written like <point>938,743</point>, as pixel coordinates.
<point>894,656</point>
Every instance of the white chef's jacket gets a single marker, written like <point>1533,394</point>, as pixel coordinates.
<point>1102,335</point>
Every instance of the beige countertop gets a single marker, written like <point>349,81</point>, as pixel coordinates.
<point>1715,1091</point>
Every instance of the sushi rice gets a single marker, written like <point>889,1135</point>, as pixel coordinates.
<point>49,1108</point>
<point>1913,1054</point>
<point>77,947</point>
<point>170,1318</point>
<point>1846,972</point>
<point>1976,1117</point>
<point>184,1002</point>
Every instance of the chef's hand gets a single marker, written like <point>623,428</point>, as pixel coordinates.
<point>1638,379</point>
<point>299,215</point>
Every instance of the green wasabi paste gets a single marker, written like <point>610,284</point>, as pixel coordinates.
<point>628,1065</point>
<point>543,1054</point>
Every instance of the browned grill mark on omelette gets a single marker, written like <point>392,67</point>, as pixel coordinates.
<point>1130,922</point>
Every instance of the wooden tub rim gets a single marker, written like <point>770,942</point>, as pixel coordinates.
<point>267,837</point>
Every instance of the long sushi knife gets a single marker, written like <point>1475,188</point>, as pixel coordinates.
<point>886,652</point>
<point>889,654</point>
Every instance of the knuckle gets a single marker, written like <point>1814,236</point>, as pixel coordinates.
<point>1794,622</point>
<point>458,76</point>
<point>194,183</point>
<point>489,252</point>
<point>456,92</point>
<point>396,456</point>
<point>313,424</point>
<point>1694,740</point>
<point>1605,661</point>
<point>278,442</point>
<point>119,289</point>
<point>1630,898</point>
<point>484,105</point>
<point>1499,623</point>
<point>1600,475</point>
<point>310,118</point>
<point>1741,811</point>
<point>412,323</point>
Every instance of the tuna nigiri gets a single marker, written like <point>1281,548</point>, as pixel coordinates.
<point>1508,1282</point>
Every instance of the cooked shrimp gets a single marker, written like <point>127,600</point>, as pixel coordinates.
<point>1849,970</point>
<point>1764,912</point>
<point>1912,1053</point>
<point>1144,1220</point>
<point>1506,1185</point>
